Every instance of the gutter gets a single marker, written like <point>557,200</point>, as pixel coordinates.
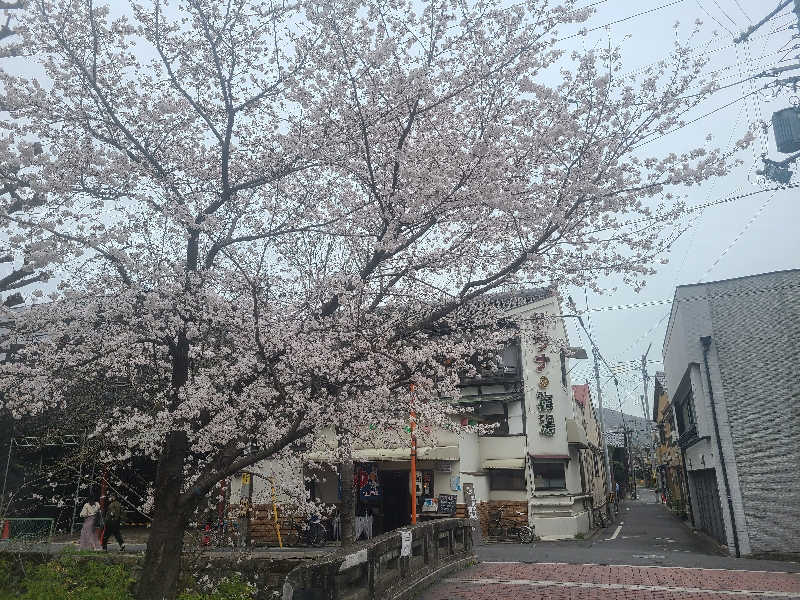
<point>706,341</point>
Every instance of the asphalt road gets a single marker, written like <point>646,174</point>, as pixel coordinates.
<point>647,554</point>
<point>646,534</point>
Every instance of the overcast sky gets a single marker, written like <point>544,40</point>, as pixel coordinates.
<point>715,247</point>
<point>751,235</point>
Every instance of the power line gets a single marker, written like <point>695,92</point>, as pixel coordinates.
<point>741,9</point>
<point>701,206</point>
<point>706,52</point>
<point>739,235</point>
<point>701,117</point>
<point>697,298</point>
<point>628,18</point>
<point>724,12</point>
<point>703,8</point>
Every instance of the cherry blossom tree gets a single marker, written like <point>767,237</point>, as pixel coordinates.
<point>27,267</point>
<point>267,219</point>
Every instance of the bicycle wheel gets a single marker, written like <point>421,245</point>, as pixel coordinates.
<point>317,535</point>
<point>525,534</point>
<point>601,519</point>
<point>293,536</point>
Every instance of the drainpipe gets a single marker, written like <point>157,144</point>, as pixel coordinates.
<point>706,341</point>
<point>685,487</point>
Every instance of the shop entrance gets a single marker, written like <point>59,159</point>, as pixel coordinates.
<point>396,499</point>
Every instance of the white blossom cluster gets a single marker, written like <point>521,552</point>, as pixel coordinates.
<point>268,220</point>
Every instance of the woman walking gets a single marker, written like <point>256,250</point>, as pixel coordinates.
<point>90,512</point>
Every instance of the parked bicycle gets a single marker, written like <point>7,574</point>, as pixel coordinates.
<point>223,534</point>
<point>600,515</point>
<point>306,533</point>
<point>502,527</point>
<point>614,501</point>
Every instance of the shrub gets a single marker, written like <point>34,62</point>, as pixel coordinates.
<point>80,576</point>
<point>230,588</point>
<point>72,577</point>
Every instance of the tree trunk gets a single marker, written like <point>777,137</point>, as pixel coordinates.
<point>347,515</point>
<point>158,579</point>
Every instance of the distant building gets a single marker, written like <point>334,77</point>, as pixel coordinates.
<point>670,476</point>
<point>593,478</point>
<point>731,361</point>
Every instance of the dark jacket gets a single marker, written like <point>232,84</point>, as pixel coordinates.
<point>114,512</point>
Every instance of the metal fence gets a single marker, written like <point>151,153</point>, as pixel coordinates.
<point>21,529</point>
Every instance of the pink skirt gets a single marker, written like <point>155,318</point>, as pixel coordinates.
<point>89,539</point>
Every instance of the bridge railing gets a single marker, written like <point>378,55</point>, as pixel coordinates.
<point>393,566</point>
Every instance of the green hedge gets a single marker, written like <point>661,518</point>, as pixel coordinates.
<point>75,576</point>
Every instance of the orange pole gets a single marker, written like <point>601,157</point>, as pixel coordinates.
<point>413,460</point>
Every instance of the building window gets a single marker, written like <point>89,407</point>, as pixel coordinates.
<point>507,479</point>
<point>500,421</point>
<point>685,414</point>
<point>549,476</point>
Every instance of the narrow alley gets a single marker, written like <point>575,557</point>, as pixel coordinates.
<point>647,553</point>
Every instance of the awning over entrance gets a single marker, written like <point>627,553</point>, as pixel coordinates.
<point>549,457</point>
<point>395,454</point>
<point>503,463</point>
<point>576,435</point>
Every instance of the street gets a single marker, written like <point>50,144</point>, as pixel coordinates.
<point>648,553</point>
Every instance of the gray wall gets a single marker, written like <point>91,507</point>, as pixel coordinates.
<point>756,331</point>
<point>753,362</point>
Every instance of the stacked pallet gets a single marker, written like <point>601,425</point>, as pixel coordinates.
<point>262,525</point>
<point>510,509</point>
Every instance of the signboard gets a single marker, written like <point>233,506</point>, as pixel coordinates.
<point>472,512</point>
<point>430,505</point>
<point>405,542</point>
<point>469,500</point>
<point>447,503</point>
<point>246,478</point>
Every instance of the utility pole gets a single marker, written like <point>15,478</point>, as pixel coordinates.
<point>645,401</point>
<point>784,122</point>
<point>597,358</point>
<point>645,377</point>
<point>595,354</point>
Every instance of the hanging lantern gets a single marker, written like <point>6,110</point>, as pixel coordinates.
<point>786,124</point>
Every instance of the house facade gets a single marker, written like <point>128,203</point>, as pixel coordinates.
<point>670,475</point>
<point>541,464</point>
<point>730,359</point>
<point>593,476</point>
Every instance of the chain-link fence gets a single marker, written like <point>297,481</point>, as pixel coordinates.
<point>21,529</point>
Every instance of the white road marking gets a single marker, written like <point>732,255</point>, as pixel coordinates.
<point>623,586</point>
<point>616,533</point>
<point>518,562</point>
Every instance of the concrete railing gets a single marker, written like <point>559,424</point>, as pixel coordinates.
<point>393,566</point>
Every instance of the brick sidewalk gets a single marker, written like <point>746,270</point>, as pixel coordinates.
<point>498,581</point>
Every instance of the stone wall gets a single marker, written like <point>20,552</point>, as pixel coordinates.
<point>393,566</point>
